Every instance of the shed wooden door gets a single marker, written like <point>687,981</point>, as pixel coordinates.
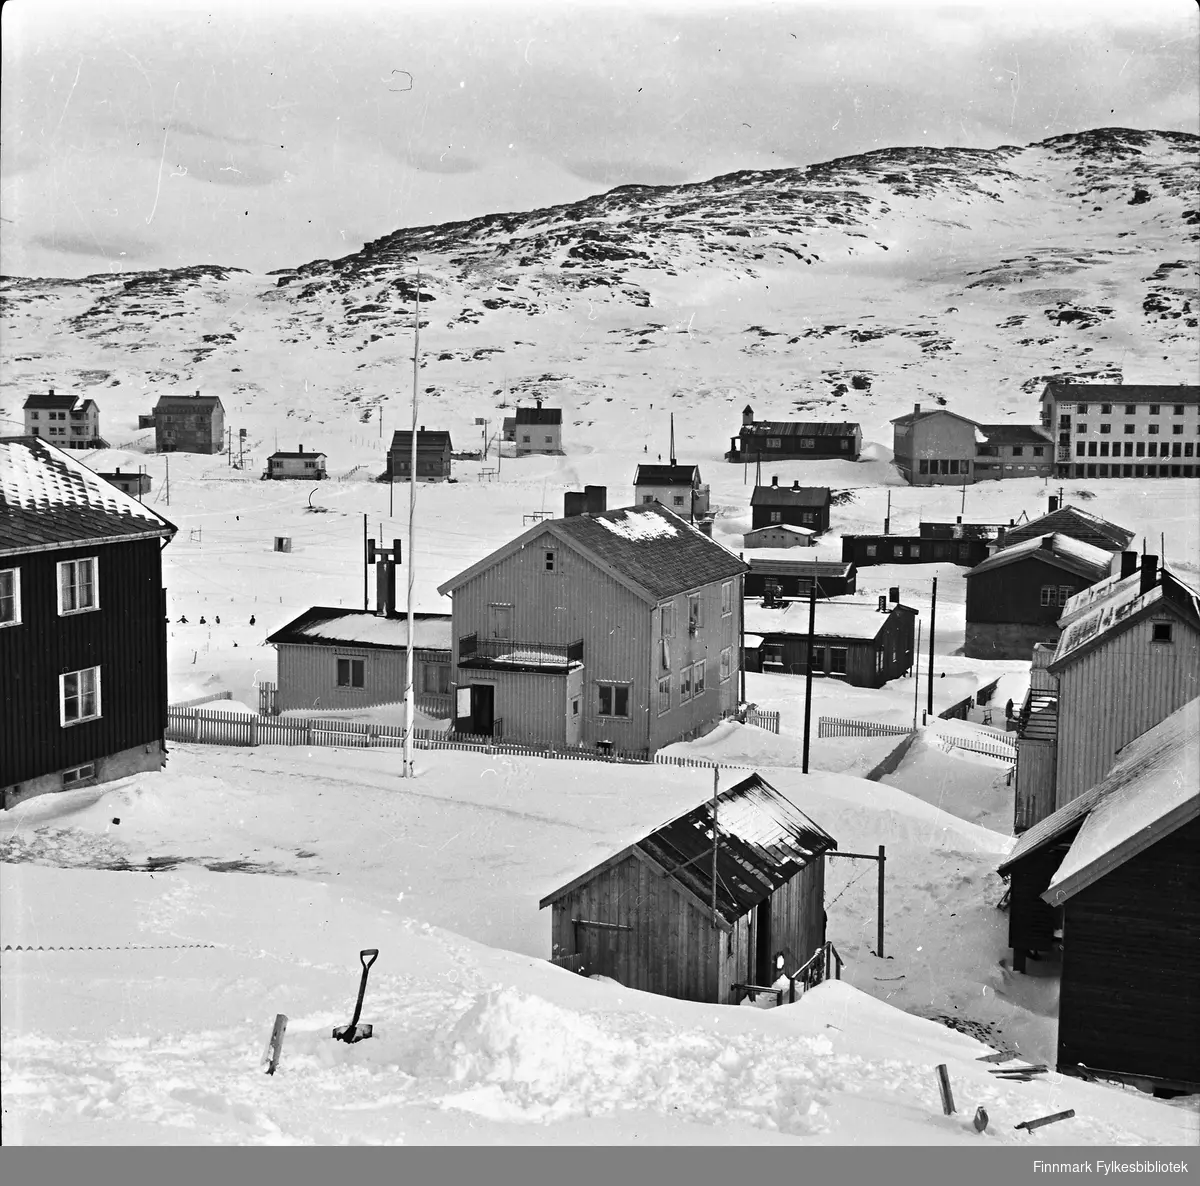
<point>764,966</point>
<point>483,709</point>
<point>500,621</point>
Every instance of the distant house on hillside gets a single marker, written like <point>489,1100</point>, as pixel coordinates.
<point>795,506</point>
<point>1068,520</point>
<point>865,643</point>
<point>776,440</point>
<point>1122,430</point>
<point>674,486</point>
<point>434,451</point>
<point>784,579</point>
<point>308,466</point>
<point>348,658</point>
<point>64,420</point>
<point>83,641</point>
<point>538,430</point>
<point>1111,877</point>
<point>645,916</point>
<point>616,629</point>
<point>939,447</point>
<point>866,550</point>
<point>189,424</point>
<point>135,484</point>
<point>1015,596</point>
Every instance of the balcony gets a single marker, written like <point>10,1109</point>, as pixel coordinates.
<point>506,654</point>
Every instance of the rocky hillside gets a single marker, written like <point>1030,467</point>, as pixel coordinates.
<point>961,276</point>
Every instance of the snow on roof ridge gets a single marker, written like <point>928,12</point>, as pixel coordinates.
<point>636,523</point>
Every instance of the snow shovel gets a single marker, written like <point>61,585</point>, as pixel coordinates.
<point>355,1032</point>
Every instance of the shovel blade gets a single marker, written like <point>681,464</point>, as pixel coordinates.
<point>353,1033</point>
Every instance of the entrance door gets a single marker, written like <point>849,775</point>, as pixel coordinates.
<point>573,731</point>
<point>483,709</point>
<point>764,968</point>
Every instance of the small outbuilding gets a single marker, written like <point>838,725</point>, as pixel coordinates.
<point>777,580</point>
<point>650,918</point>
<point>305,466</point>
<point>135,484</point>
<point>779,535</point>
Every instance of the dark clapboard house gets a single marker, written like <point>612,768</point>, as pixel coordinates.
<point>83,645</point>
<point>1068,520</point>
<point>779,580</point>
<point>798,506</point>
<point>1015,596</point>
<point>1114,878</point>
<point>866,550</point>
<point>189,424</point>
<point>865,643</point>
<point>434,450</point>
<point>776,440</point>
<point>645,916</point>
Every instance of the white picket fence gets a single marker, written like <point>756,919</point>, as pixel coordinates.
<point>847,727</point>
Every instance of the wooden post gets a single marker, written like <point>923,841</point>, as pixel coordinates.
<point>932,621</point>
<point>1030,1125</point>
<point>808,676</point>
<point>879,909</point>
<point>366,603</point>
<point>916,676</point>
<point>943,1076</point>
<point>716,841</point>
<point>275,1045</point>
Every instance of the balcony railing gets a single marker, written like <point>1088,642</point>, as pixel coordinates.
<point>474,651</point>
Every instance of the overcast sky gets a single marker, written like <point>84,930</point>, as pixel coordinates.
<point>263,135</point>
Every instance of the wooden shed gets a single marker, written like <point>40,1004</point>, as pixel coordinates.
<point>779,579</point>
<point>645,916</point>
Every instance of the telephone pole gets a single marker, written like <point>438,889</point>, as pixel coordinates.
<point>932,621</point>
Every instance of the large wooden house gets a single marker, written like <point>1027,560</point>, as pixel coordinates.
<point>866,550</point>
<point>538,430</point>
<point>1113,878</point>
<point>864,643</point>
<point>1015,596</point>
<point>434,455</point>
<point>189,424</point>
<point>83,646</point>
<point>64,420</point>
<point>675,486</point>
<point>1068,520</point>
<point>796,505</point>
<point>616,629</point>
<point>645,916</point>
<point>350,658</point>
<point>777,440</point>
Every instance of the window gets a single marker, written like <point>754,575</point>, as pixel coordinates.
<point>837,660</point>
<point>1130,409</point>
<point>1177,429</point>
<point>77,586</point>
<point>871,549</point>
<point>914,551</point>
<point>774,443</point>
<point>525,440</point>
<point>500,620</point>
<point>310,465</point>
<point>1091,448</point>
<point>1103,448</point>
<point>776,516</point>
<point>350,673</point>
<point>1106,409</point>
<point>807,443</point>
<point>10,596</point>
<point>726,663</point>
<point>647,498</point>
<point>1048,595</point>
<point>1153,430</point>
<point>1019,450</point>
<point>435,679</point>
<point>1105,430</point>
<point>898,551</point>
<point>698,676</point>
<point>844,445</point>
<point>695,613</point>
<point>1176,450</point>
<point>666,620</point>
<point>678,500</point>
<point>550,560</point>
<point>1162,632</point>
<point>1154,409</point>
<point>818,658</point>
<point>1178,409</point>
<point>1065,592</point>
<point>1081,427</point>
<point>1081,409</point>
<point>664,694</point>
<point>879,662</point>
<point>923,467</point>
<point>1152,449</point>
<point>549,440</point>
<point>614,700</point>
<point>79,775</point>
<point>1064,422</point>
<point>1039,450</point>
<point>79,695</point>
<point>1141,450</point>
<point>1080,448</point>
<point>664,654</point>
<point>727,592</point>
<point>1128,448</point>
<point>807,517</point>
<point>1129,428</point>
<point>1187,449</point>
<point>685,685</point>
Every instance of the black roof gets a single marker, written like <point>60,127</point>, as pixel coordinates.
<point>539,415</point>
<point>666,475</point>
<point>1122,393</point>
<point>791,496</point>
<point>427,438</point>
<point>1068,520</point>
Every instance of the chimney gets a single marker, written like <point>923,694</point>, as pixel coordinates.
<point>958,519</point>
<point>916,409</point>
<point>774,479</point>
<point>1048,542</point>
<point>1129,564</point>
<point>385,587</point>
<point>422,428</point>
<point>1149,573</point>
<point>51,390</point>
<point>301,448</point>
<point>595,499</point>
<point>883,609</point>
<point>796,484</point>
<point>539,402</point>
<point>574,503</point>
<point>197,392</point>
<point>1053,504</point>
<point>705,526</point>
<point>747,416</point>
<point>894,594</point>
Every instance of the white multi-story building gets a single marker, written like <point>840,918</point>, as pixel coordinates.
<point>1105,430</point>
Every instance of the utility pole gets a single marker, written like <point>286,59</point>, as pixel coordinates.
<point>916,675</point>
<point>672,453</point>
<point>887,522</point>
<point>412,511</point>
<point>932,621</point>
<point>229,447</point>
<point>742,631</point>
<point>716,843</point>
<point>808,670</point>
<point>168,482</point>
<point>366,563</point>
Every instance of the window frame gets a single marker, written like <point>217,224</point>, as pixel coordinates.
<point>726,599</point>
<point>699,678</point>
<point>1155,637</point>
<point>695,613</point>
<point>74,565</point>
<point>664,695</point>
<point>14,595</point>
<point>726,669</point>
<point>351,671</point>
<point>549,560</point>
<point>836,654</point>
<point>80,719</point>
<point>615,693</point>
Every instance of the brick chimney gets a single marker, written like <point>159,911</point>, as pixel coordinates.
<point>705,526</point>
<point>1053,504</point>
<point>796,484</point>
<point>916,409</point>
<point>301,448</point>
<point>539,402</point>
<point>1129,564</point>
<point>1149,573</point>
<point>574,503</point>
<point>596,499</point>
<point>774,479</point>
<point>883,605</point>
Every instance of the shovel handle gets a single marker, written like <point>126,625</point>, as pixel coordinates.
<point>368,957</point>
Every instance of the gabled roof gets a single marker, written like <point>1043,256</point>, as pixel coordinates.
<point>1152,790</point>
<point>201,403</point>
<point>807,532</point>
<point>1016,434</point>
<point>57,402</point>
<point>282,454</point>
<point>539,415</point>
<point>667,475</point>
<point>924,414</point>
<point>791,496</point>
<point>1061,551</point>
<point>1073,522</point>
<point>769,566</point>
<point>1057,826</point>
<point>801,428</point>
<point>836,617</point>
<point>648,548</point>
<point>1124,605</point>
<point>322,625</point>
<point>427,438</point>
<point>763,841</point>
<point>48,500</point>
<point>1120,393</point>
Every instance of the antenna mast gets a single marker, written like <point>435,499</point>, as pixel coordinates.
<point>672,438</point>
<point>412,509</point>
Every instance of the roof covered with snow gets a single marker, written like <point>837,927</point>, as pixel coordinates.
<point>788,527</point>
<point>791,496</point>
<point>836,617</point>
<point>1062,551</point>
<point>1057,825</point>
<point>666,475</point>
<point>1152,790</point>
<point>1078,524</point>
<point>324,625</point>
<point>914,416</point>
<point>763,841</point>
<point>648,548</point>
<point>1120,604</point>
<point>49,499</point>
<point>283,454</point>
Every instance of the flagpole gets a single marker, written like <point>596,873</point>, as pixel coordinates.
<point>412,509</point>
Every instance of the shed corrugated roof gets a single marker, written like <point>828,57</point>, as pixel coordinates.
<point>791,496</point>
<point>1073,522</point>
<point>666,475</point>
<point>539,415</point>
<point>1054,827</point>
<point>1062,551</point>
<point>764,840</point>
<point>323,625</point>
<point>1152,790</point>
<point>800,568</point>
<point>48,498</point>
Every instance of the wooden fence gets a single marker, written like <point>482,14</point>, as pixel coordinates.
<point>764,720</point>
<point>209,699</point>
<point>980,745</point>
<point>845,727</point>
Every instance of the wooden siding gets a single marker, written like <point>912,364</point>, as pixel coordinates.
<point>1114,694</point>
<point>935,436</point>
<point>1031,922</point>
<point>1131,966</point>
<point>795,585</point>
<point>915,549</point>
<point>1034,798</point>
<point>672,947</point>
<point>1012,593</point>
<point>531,706</point>
<point>814,518</point>
<point>895,640</point>
<point>125,638</point>
<point>307,677</point>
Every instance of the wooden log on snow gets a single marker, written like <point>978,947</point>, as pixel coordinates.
<point>1030,1125</point>
<point>944,1087</point>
